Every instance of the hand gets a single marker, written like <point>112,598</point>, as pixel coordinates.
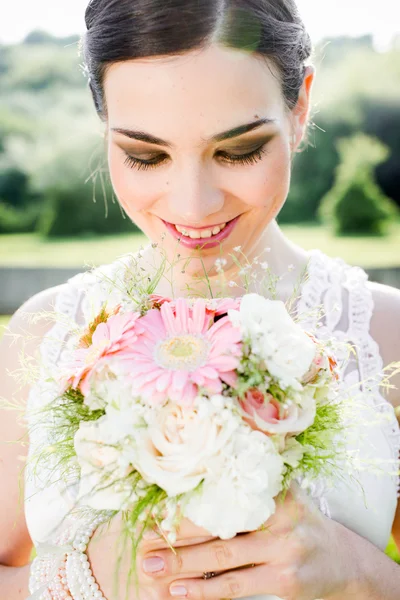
<point>102,554</point>
<point>299,555</point>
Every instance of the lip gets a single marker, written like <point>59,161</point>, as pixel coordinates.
<point>202,243</point>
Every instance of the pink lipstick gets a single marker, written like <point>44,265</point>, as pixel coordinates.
<point>202,243</point>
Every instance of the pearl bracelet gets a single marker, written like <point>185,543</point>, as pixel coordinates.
<point>62,571</point>
<point>81,581</point>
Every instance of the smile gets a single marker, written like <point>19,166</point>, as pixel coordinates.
<point>203,238</point>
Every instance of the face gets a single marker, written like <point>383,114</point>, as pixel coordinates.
<point>199,148</point>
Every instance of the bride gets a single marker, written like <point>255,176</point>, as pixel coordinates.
<point>204,104</point>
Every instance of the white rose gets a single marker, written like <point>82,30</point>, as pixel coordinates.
<point>241,496</point>
<point>181,444</point>
<point>283,345</point>
<point>103,465</point>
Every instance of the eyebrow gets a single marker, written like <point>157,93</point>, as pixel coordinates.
<point>219,137</point>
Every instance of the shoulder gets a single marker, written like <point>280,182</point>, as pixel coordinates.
<point>20,345</point>
<point>45,301</point>
<point>34,319</point>
<point>385,329</point>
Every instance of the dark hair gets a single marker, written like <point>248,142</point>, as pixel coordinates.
<point>119,30</point>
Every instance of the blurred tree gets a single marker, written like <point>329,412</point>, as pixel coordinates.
<point>355,204</point>
<point>39,36</point>
<point>16,220</point>
<point>45,103</point>
<point>14,186</point>
<point>39,67</point>
<point>313,171</point>
<point>77,195</point>
<point>336,50</point>
<point>382,120</point>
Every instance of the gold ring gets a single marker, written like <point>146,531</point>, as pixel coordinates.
<point>208,575</point>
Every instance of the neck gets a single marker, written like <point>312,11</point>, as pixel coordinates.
<point>273,247</point>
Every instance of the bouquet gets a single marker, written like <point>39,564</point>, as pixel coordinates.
<point>189,402</point>
<point>168,407</point>
<point>198,408</point>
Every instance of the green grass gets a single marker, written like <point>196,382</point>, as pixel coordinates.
<point>363,251</point>
<point>31,250</point>
<point>392,551</point>
<point>4,319</point>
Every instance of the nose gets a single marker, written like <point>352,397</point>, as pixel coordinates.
<point>195,196</point>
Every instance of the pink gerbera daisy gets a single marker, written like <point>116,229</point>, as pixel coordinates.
<point>115,337</point>
<point>179,351</point>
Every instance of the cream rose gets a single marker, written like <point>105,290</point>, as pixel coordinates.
<point>181,444</point>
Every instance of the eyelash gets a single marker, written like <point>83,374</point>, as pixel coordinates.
<point>250,158</point>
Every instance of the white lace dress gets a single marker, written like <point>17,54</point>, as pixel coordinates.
<point>61,568</point>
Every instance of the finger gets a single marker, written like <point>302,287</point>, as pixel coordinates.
<point>259,580</point>
<point>187,533</point>
<point>216,555</point>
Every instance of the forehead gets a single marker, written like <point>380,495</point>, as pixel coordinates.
<point>208,88</point>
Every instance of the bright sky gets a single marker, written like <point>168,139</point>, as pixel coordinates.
<point>322,17</point>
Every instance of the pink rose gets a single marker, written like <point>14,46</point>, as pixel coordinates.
<point>265,407</point>
<point>264,413</point>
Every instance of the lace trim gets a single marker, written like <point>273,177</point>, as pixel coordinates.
<point>67,302</point>
<point>327,281</point>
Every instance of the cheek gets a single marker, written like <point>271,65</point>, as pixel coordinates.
<point>265,185</point>
<point>134,189</point>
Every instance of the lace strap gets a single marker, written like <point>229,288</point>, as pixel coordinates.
<point>361,306</point>
<point>50,351</point>
<point>348,306</point>
<point>66,307</point>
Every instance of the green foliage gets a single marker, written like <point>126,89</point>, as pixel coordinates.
<point>72,212</point>
<point>15,220</point>
<point>356,89</point>
<point>39,36</point>
<point>355,204</point>
<point>77,194</point>
<point>312,174</point>
<point>39,67</point>
<point>14,186</point>
<point>46,115</point>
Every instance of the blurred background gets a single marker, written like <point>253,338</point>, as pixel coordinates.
<point>57,209</point>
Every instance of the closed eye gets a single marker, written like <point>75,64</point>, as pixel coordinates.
<point>249,158</point>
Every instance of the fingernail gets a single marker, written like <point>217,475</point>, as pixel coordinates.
<point>153,564</point>
<point>178,590</point>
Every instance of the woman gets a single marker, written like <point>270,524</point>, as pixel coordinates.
<point>204,103</point>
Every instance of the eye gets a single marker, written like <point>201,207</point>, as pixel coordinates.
<point>141,164</point>
<point>250,158</point>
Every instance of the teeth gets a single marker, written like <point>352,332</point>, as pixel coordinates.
<point>196,234</point>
